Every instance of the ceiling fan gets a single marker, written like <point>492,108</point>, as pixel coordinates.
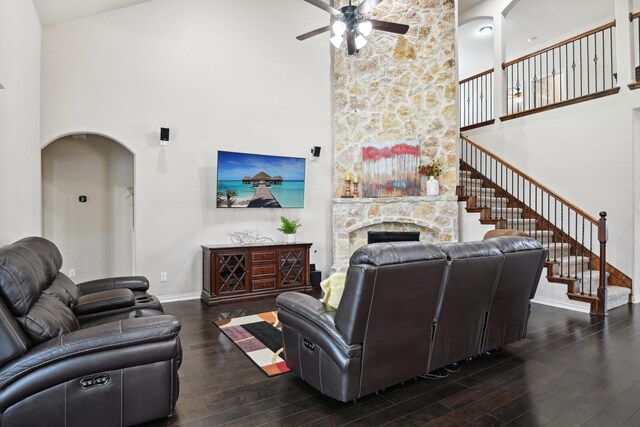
<point>352,23</point>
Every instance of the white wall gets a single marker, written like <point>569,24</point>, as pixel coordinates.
<point>582,152</point>
<point>19,121</point>
<point>223,75</point>
<point>94,237</point>
<point>475,50</point>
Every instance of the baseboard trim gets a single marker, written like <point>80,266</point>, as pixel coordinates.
<point>561,304</point>
<point>635,299</point>
<point>179,297</point>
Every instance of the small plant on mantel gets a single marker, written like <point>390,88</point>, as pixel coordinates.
<point>431,169</point>
<point>289,227</point>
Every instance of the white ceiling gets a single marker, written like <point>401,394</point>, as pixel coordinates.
<point>54,12</point>
<point>549,21</point>
<point>464,5</point>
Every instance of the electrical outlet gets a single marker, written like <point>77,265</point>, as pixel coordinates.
<point>72,272</point>
<point>163,276</point>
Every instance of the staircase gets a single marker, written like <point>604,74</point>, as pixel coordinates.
<point>509,199</point>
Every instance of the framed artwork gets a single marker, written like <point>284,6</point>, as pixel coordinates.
<point>390,169</point>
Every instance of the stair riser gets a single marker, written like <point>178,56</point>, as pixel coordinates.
<point>506,213</point>
<point>478,191</point>
<point>569,270</point>
<point>521,224</point>
<point>557,250</point>
<point>491,202</point>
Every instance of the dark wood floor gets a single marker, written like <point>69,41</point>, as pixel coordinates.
<point>571,370</point>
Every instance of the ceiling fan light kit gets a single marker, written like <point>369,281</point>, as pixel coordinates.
<point>351,22</point>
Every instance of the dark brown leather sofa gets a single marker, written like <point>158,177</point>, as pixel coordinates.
<point>100,354</point>
<point>410,308</point>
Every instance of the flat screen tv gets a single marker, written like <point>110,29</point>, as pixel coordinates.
<point>259,181</point>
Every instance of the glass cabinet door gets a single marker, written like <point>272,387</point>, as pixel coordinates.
<point>232,272</point>
<point>292,264</point>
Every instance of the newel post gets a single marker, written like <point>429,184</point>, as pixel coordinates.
<point>602,288</point>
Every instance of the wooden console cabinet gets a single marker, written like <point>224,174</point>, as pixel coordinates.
<point>236,273</point>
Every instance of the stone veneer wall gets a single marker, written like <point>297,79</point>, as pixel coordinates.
<point>397,88</point>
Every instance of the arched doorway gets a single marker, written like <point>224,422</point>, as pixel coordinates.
<point>88,204</point>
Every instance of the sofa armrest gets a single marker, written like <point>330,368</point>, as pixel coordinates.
<point>317,315</point>
<point>124,333</point>
<point>99,302</point>
<point>134,283</point>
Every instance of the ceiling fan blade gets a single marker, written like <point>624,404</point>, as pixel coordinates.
<point>390,27</point>
<point>351,42</point>
<point>324,6</point>
<point>314,32</point>
<point>367,6</point>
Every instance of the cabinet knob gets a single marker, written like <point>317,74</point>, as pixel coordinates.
<point>264,269</point>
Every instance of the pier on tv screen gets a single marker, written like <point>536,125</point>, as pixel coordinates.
<point>259,181</point>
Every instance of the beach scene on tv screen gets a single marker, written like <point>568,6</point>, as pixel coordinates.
<point>259,181</point>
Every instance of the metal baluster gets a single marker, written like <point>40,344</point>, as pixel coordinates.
<point>542,228</point>
<point>535,79</point>
<point>474,99</point>
<point>546,75</point>
<point>561,237</point>
<point>591,260</point>
<point>576,248</point>
<point>491,179</point>
<point>529,204</point>
<point>553,73</point>
<point>582,260</point>
<point>611,53</point>
<point>604,64</point>
<point>511,88</point>
<point>595,61</point>
<point>573,66</point>
<point>549,225</point>
<point>566,71</point>
<point>588,68</point>
<point>581,72</point>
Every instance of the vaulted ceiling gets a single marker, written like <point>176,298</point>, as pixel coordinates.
<point>54,12</point>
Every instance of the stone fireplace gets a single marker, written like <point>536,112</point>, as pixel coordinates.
<point>397,88</point>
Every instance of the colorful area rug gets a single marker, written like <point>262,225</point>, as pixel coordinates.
<point>260,337</point>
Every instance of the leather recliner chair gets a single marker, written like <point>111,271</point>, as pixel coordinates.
<point>57,371</point>
<point>112,298</point>
<point>409,308</point>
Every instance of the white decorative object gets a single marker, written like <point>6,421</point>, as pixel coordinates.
<point>248,238</point>
<point>433,187</point>
<point>290,238</point>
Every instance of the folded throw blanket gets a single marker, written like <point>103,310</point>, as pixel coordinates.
<point>333,288</point>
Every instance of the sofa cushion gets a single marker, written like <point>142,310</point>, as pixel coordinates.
<point>48,253</point>
<point>47,319</point>
<point>22,278</point>
<point>13,341</point>
<point>64,289</point>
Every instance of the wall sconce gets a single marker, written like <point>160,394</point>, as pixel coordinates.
<point>164,136</point>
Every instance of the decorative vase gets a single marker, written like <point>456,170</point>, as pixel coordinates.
<point>433,187</point>
<point>290,238</point>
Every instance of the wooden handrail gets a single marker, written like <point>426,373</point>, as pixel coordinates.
<point>633,16</point>
<point>562,43</point>
<point>484,73</point>
<point>533,181</point>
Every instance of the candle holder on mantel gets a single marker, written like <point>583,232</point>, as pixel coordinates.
<point>347,189</point>
<point>355,189</point>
